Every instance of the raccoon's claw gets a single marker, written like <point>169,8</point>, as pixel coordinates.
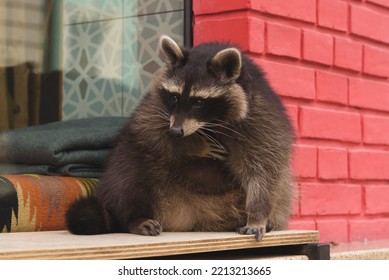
<point>269,226</point>
<point>210,149</point>
<point>258,231</point>
<point>217,152</point>
<point>143,226</point>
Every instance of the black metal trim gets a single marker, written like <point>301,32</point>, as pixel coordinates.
<point>313,251</point>
<point>188,24</point>
<point>316,251</point>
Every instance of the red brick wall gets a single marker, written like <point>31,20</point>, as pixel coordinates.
<point>329,60</point>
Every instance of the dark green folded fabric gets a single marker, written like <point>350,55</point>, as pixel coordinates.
<point>74,148</point>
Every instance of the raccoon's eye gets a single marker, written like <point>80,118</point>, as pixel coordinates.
<point>198,103</point>
<point>174,99</point>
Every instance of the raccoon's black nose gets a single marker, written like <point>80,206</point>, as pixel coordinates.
<point>176,131</point>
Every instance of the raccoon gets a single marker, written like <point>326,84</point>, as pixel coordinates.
<point>207,149</point>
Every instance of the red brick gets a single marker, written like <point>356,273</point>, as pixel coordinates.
<point>283,40</point>
<point>333,14</point>
<point>369,164</point>
<point>304,10</point>
<point>376,198</point>
<point>290,80</point>
<point>256,35</point>
<point>376,61</point>
<point>375,130</point>
<point>332,163</point>
<point>247,32</point>
<point>384,3</point>
<point>365,230</point>
<point>201,7</point>
<point>330,124</point>
<point>302,224</point>
<point>369,23</point>
<point>317,47</point>
<point>219,29</point>
<point>293,113</point>
<point>369,94</point>
<point>348,54</point>
<point>331,87</point>
<point>305,161</point>
<point>330,199</point>
<point>333,230</point>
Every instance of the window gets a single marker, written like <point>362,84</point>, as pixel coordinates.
<point>73,59</point>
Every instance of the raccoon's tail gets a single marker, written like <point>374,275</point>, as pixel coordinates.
<point>87,216</point>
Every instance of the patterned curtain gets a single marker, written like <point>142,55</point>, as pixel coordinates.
<point>22,31</point>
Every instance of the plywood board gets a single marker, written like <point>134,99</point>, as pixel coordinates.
<point>63,245</point>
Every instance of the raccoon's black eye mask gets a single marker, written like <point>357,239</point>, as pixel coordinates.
<point>203,109</point>
<point>210,109</point>
<point>169,99</point>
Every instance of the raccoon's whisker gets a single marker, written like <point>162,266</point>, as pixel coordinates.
<point>160,111</point>
<point>215,131</point>
<point>233,130</point>
<point>163,115</point>
<point>161,126</point>
<point>165,120</point>
<point>198,137</point>
<point>227,128</point>
<point>208,129</point>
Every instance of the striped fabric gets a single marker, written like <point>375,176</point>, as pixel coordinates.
<point>37,203</point>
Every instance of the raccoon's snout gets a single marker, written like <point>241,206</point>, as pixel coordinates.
<point>182,127</point>
<point>176,128</point>
<point>176,131</point>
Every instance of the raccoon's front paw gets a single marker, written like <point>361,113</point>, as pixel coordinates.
<point>217,151</point>
<point>269,226</point>
<point>258,230</point>
<point>209,149</point>
<point>145,227</point>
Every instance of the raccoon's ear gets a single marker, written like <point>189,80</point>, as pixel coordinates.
<point>174,54</point>
<point>226,63</point>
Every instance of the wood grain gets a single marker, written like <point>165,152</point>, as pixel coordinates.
<point>63,245</point>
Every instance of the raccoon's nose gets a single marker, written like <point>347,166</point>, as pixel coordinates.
<point>176,131</point>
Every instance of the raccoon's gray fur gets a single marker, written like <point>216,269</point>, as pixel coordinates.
<point>208,149</point>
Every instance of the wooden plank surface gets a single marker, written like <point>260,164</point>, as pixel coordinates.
<point>63,245</point>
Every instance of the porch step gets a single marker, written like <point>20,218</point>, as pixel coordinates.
<point>369,250</point>
<point>63,245</point>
